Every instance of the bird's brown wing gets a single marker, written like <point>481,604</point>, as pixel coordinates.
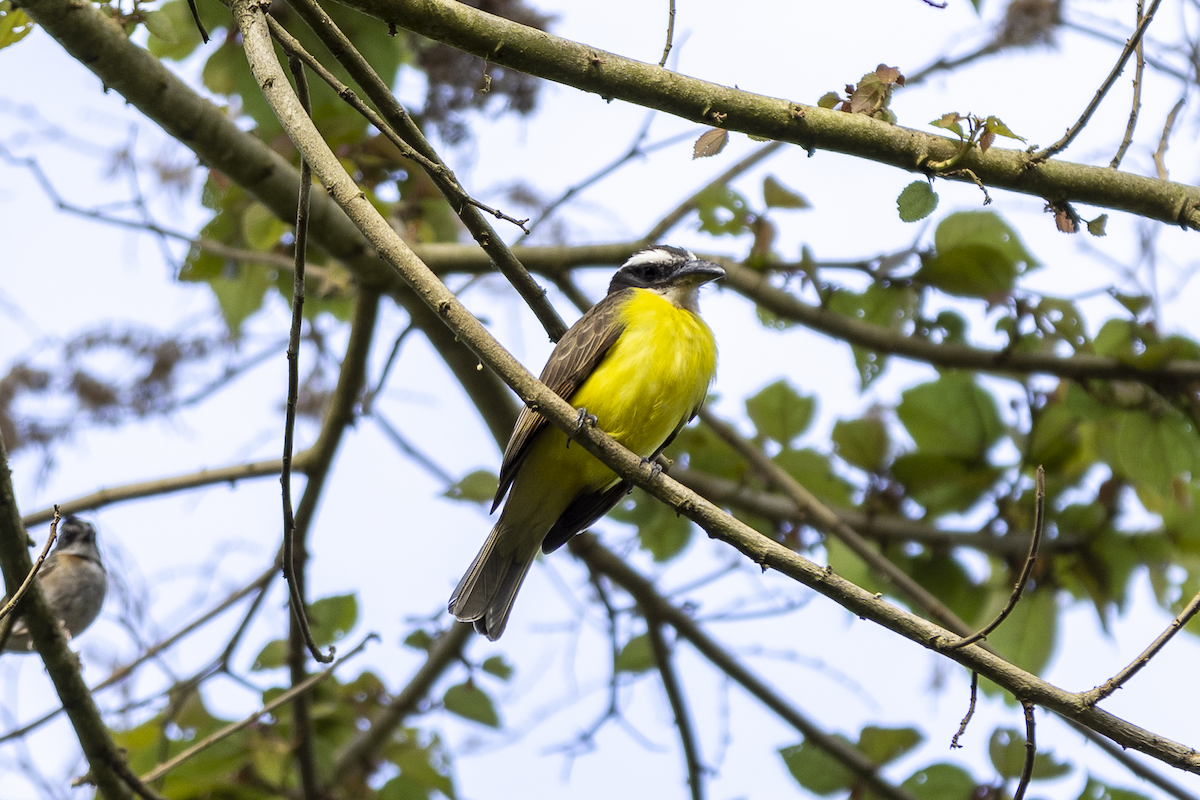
<point>573,360</point>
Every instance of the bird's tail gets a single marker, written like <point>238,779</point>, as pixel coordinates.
<point>486,593</point>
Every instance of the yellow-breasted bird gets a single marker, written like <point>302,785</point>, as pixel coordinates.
<point>640,361</point>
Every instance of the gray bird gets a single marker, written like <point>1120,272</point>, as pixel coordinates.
<point>73,580</point>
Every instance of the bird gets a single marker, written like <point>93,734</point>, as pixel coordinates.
<point>638,364</point>
<point>73,580</point>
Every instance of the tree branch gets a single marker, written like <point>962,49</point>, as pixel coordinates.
<point>670,681</point>
<point>535,52</point>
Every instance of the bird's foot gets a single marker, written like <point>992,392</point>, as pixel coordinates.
<point>585,418</point>
<point>655,467</point>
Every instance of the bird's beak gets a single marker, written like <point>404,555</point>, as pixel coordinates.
<point>700,272</point>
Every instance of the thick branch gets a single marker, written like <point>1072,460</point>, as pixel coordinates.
<point>535,52</point>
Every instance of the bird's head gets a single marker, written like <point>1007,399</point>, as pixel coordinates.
<point>670,271</point>
<point>78,538</point>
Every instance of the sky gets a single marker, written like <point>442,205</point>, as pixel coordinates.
<point>383,530</point>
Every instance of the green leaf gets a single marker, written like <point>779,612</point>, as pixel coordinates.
<point>829,100</point>
<point>240,293</point>
<point>1096,790</point>
<point>333,617</point>
<point>951,416</point>
<point>496,665</point>
<point>174,35</point>
<point>862,442</point>
<point>944,484</point>
<point>780,413</point>
<point>661,531</point>
<point>1007,752</point>
<point>917,201</point>
<point>636,656</point>
<point>977,255</point>
<point>15,24</point>
<point>1054,439</point>
<point>272,656</point>
<point>470,702</point>
<point>722,211</point>
<point>160,24</point>
<point>261,228</point>
<point>402,787</point>
<point>816,770</point>
<point>419,640</point>
<point>1098,226</point>
<point>994,126</point>
<point>941,782</point>
<point>776,195</point>
<point>951,121</point>
<point>884,745</point>
<point>1152,450</point>
<point>476,487</point>
<point>1028,635</point>
<point>1135,304</point>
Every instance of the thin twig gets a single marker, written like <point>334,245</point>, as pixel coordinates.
<point>229,730</point>
<point>670,681</point>
<point>1122,677</point>
<point>664,226</point>
<point>11,605</point>
<point>162,486</point>
<point>293,356</point>
<point>1160,155</point>
<point>635,151</point>
<point>1074,130</point>
<point>662,62</point>
<point>1137,94</point>
<point>962,726</point>
<point>1034,543</point>
<point>1030,751</point>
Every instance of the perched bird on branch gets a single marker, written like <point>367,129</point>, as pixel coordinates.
<point>640,363</point>
<point>73,580</point>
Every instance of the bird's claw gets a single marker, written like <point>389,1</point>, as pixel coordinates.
<point>655,467</point>
<point>585,418</point>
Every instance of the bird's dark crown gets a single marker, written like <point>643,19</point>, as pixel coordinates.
<point>662,265</point>
<point>73,530</point>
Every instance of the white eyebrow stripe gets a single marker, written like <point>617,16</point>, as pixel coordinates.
<point>655,255</point>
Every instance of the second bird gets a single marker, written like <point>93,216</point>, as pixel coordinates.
<point>641,361</point>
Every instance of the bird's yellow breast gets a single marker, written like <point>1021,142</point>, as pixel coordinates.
<point>650,381</point>
<point>654,376</point>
